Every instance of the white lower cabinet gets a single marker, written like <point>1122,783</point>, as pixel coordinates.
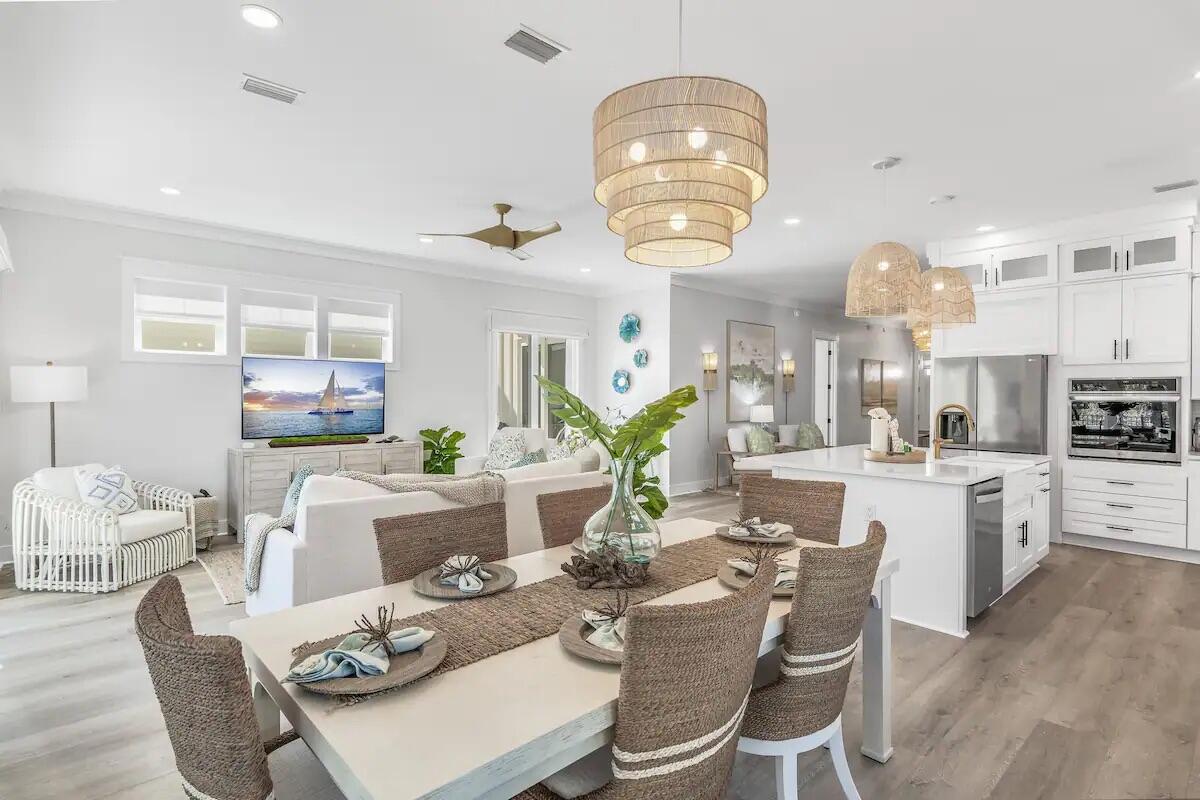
<point>1193,505</point>
<point>1127,503</point>
<point>1041,522</point>
<point>1026,521</point>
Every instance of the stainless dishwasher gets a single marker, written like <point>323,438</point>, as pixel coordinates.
<point>985,545</point>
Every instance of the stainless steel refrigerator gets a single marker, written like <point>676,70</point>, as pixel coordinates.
<point>1007,396</point>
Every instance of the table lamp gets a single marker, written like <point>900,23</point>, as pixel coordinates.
<point>49,384</point>
<point>763,415</point>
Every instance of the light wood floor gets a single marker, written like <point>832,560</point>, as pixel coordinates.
<point>1081,683</point>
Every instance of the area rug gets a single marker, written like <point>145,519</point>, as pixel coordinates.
<point>224,566</point>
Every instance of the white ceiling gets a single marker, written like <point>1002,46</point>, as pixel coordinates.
<point>416,117</point>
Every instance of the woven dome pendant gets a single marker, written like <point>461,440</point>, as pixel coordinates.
<point>678,164</point>
<point>883,281</point>
<point>944,299</point>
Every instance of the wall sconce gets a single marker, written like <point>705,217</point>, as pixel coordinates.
<point>710,372</point>
<point>789,383</point>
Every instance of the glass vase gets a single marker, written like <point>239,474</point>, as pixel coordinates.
<point>622,523</point>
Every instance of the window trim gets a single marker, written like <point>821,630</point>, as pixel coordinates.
<point>537,326</point>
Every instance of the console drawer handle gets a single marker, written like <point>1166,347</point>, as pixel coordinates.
<point>1121,483</point>
<point>1119,528</point>
<point>1118,505</point>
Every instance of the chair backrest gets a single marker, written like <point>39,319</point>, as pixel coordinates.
<point>812,508</point>
<point>60,481</point>
<point>833,588</point>
<point>685,683</point>
<point>736,439</point>
<point>562,514</point>
<point>205,699</point>
<point>412,543</point>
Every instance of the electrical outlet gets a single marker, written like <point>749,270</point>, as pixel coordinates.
<point>872,513</point>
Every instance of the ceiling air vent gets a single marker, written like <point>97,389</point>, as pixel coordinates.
<point>266,88</point>
<point>1170,187</point>
<point>529,42</point>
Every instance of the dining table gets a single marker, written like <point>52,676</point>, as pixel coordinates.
<point>501,724</point>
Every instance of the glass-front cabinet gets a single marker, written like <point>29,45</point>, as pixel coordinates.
<point>975,265</point>
<point>1093,258</point>
<point>1125,256</point>
<point>1025,265</point>
<point>1160,251</point>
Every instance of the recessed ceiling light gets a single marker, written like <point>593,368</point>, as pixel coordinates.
<point>425,239</point>
<point>585,269</point>
<point>170,191</point>
<point>791,221</point>
<point>260,16</point>
<point>1197,75</point>
<point>985,228</point>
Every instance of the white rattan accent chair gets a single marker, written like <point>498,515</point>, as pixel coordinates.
<point>62,544</point>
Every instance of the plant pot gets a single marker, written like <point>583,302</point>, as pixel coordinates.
<point>622,523</point>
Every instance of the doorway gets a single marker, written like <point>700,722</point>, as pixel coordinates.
<point>825,387</point>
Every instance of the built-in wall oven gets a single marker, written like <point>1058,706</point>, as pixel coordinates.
<point>1133,419</point>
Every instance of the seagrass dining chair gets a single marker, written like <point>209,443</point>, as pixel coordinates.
<point>812,508</point>
<point>562,514</point>
<point>204,696</point>
<point>802,709</point>
<point>409,544</point>
<point>685,682</point>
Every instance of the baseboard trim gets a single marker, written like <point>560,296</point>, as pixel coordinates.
<point>1132,548</point>
<point>6,554</point>
<point>690,487</point>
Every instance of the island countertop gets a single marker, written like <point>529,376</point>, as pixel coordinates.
<point>848,460</point>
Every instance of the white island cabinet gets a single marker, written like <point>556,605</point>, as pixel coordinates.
<point>925,508</point>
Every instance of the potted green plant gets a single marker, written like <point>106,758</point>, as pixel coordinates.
<point>623,523</point>
<point>441,449</point>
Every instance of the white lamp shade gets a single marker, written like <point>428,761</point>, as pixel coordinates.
<point>48,384</point>
<point>5,253</point>
<point>762,413</point>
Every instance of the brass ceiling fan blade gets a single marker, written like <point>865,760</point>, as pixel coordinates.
<point>495,236</point>
<point>523,238</point>
<point>519,254</point>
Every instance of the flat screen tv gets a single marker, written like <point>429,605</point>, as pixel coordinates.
<point>293,397</point>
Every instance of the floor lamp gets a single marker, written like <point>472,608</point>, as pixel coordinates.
<point>710,386</point>
<point>48,384</point>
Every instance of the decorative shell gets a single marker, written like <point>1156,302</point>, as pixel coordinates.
<point>621,381</point>
<point>641,358</point>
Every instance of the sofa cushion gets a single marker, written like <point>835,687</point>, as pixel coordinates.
<point>759,442</point>
<point>532,457</point>
<point>736,437</point>
<point>505,449</point>
<point>589,458</point>
<point>545,469</point>
<point>145,523</point>
<point>107,487</point>
<point>60,481</point>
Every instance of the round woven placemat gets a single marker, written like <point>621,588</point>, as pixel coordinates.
<point>403,668</point>
<point>785,538</point>
<point>730,577</point>
<point>427,583</point>
<point>573,637</point>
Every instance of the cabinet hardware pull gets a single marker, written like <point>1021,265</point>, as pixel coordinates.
<point>1114,349</point>
<point>997,281</point>
<point>1121,483</point>
<point>985,278</point>
<point>1126,349</point>
<point>1118,505</point>
<point>1044,474</point>
<point>1119,528</point>
<point>1115,267</point>
<point>1045,489</point>
<point>1127,261</point>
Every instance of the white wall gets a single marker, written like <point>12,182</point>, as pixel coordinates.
<point>653,307</point>
<point>172,422</point>
<point>698,321</point>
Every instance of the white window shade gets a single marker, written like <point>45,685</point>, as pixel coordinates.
<point>178,317</point>
<point>360,330</point>
<point>278,324</point>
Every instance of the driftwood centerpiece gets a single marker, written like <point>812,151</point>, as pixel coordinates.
<point>605,569</point>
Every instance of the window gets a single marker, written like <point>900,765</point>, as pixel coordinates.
<point>279,324</point>
<point>519,358</point>
<point>360,330</point>
<point>178,317</point>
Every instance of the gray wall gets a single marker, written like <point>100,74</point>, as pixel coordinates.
<point>698,322</point>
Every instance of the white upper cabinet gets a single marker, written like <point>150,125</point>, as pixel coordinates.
<point>1094,258</point>
<point>1155,319</point>
<point>1157,251</point>
<point>1091,323</point>
<point>976,266</point>
<point>1024,265</point>
<point>1138,321</point>
<point>1020,322</point>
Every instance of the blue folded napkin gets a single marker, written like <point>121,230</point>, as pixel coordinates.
<point>353,658</point>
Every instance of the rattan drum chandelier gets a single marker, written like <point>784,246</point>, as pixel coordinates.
<point>678,164</point>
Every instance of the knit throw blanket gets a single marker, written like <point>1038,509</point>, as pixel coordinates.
<point>466,490</point>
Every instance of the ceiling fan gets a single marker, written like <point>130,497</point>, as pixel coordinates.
<point>502,237</point>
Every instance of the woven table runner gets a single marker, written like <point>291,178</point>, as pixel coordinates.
<point>485,626</point>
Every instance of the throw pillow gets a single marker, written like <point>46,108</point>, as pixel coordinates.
<point>759,442</point>
<point>292,498</point>
<point>570,444</point>
<point>108,488</point>
<point>507,447</point>
<point>532,457</point>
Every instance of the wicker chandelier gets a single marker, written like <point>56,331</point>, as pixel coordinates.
<point>883,279</point>
<point>944,299</point>
<point>678,164</point>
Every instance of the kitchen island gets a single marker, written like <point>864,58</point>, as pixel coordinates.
<point>929,510</point>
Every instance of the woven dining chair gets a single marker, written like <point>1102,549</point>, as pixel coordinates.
<point>812,508</point>
<point>685,682</point>
<point>562,514</point>
<point>204,696</point>
<point>802,709</point>
<point>412,543</point>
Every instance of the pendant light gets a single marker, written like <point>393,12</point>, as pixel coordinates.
<point>944,299</point>
<point>883,278</point>
<point>678,164</point>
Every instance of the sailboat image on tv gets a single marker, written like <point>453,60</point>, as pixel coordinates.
<point>333,401</point>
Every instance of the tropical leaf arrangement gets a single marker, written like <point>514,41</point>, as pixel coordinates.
<point>631,445</point>
<point>441,449</point>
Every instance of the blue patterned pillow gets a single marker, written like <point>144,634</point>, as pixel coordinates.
<point>532,457</point>
<point>293,493</point>
<point>108,488</point>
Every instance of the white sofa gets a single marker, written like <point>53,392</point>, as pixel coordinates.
<point>586,460</point>
<point>332,551</point>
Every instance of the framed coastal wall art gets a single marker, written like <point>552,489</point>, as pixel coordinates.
<point>879,383</point>
<point>750,376</point>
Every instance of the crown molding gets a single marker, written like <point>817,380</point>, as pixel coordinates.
<point>741,292</point>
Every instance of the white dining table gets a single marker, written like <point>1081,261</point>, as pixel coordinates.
<point>500,725</point>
